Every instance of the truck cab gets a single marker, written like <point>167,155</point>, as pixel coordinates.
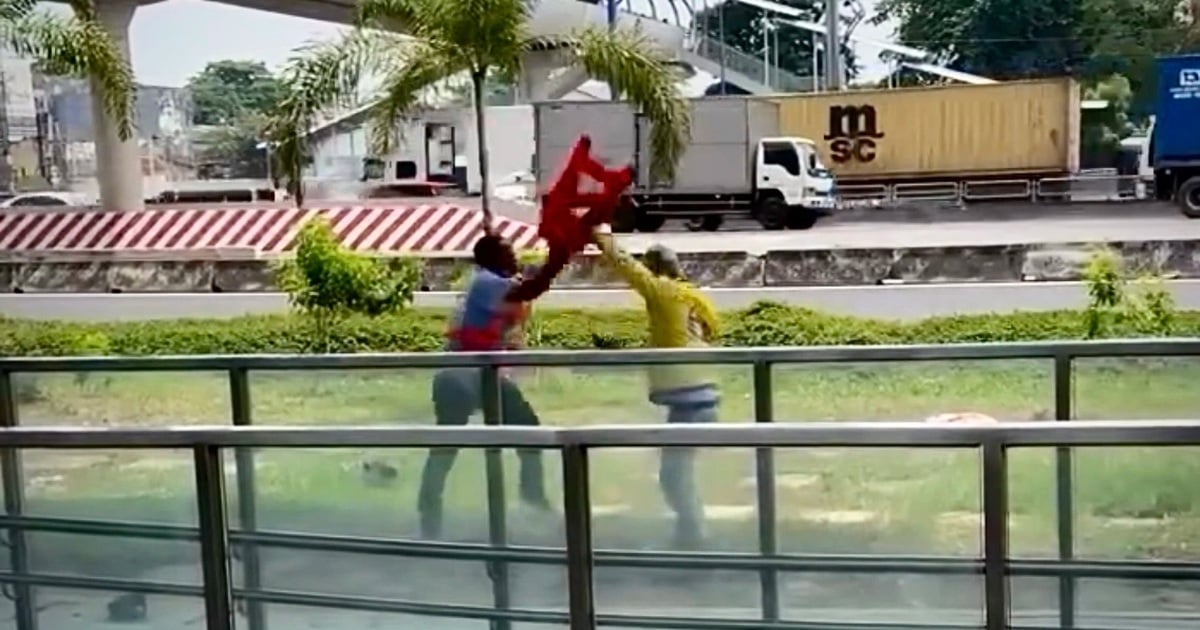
<point>789,187</point>
<point>792,187</point>
<point>1174,138</point>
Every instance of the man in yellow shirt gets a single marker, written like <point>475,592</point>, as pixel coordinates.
<point>679,316</point>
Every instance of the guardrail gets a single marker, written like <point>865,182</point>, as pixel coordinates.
<point>209,445</point>
<point>216,539</point>
<point>1082,188</point>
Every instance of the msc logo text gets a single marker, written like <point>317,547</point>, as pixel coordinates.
<point>853,131</point>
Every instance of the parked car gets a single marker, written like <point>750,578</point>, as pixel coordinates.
<point>47,198</point>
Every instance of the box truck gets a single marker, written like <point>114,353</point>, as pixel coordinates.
<point>735,164</point>
<point>1174,136</point>
<point>441,146</point>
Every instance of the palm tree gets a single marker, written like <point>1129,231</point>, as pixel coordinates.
<point>72,46</point>
<point>413,45</point>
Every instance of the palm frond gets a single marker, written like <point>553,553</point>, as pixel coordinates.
<point>643,76</point>
<point>491,33</point>
<point>402,90</point>
<point>319,78</point>
<point>75,46</point>
<point>400,16</point>
<point>16,9</point>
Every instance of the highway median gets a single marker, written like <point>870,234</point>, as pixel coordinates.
<point>230,271</point>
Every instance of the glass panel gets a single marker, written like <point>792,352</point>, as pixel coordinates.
<point>130,558</point>
<point>1109,604</point>
<point>1032,503</point>
<point>634,493</point>
<point>1005,390</point>
<point>312,618</point>
<point>156,485</point>
<point>1136,388</point>
<point>71,609</point>
<point>1137,503</point>
<point>879,501</point>
<point>374,493</point>
<point>341,397</point>
<point>123,398</point>
<point>865,598</point>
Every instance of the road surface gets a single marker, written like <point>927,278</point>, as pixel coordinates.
<point>893,302</point>
<point>938,232</point>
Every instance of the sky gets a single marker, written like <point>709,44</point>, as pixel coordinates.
<point>172,40</point>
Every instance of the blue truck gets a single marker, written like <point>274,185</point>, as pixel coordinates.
<point>1174,149</point>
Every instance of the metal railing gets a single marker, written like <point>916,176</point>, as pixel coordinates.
<point>750,66</point>
<point>1099,188</point>
<point>209,445</point>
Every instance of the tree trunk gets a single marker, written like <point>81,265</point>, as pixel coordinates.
<point>477,85</point>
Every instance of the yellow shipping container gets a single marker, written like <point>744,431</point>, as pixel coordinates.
<point>1017,128</point>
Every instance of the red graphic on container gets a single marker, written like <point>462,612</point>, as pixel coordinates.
<point>422,229</point>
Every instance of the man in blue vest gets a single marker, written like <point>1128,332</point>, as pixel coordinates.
<point>489,319</point>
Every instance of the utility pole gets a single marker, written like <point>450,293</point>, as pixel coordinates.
<point>721,40</point>
<point>612,26</point>
<point>6,168</point>
<point>833,46</point>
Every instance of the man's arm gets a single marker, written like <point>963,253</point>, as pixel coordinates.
<point>532,287</point>
<point>640,278</point>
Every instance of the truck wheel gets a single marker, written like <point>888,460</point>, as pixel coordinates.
<point>707,223</point>
<point>649,223</point>
<point>1189,197</point>
<point>802,220</point>
<point>773,214</point>
<point>625,218</point>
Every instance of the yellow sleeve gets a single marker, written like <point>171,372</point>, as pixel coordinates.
<point>640,279</point>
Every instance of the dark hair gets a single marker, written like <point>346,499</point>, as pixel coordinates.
<point>489,251</point>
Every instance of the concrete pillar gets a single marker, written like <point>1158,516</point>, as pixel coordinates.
<point>118,162</point>
<point>534,82</point>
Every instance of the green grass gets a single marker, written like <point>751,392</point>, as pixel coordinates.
<point>1130,502</point>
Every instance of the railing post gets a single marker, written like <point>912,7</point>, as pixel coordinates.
<point>577,511</point>
<point>1064,482</point>
<point>214,538</point>
<point>764,473</point>
<point>995,534</point>
<point>497,510</point>
<point>14,505</point>
<point>239,396</point>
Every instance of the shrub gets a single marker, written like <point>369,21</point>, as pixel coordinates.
<point>326,282</point>
<point>422,330</point>
<point>1148,307</point>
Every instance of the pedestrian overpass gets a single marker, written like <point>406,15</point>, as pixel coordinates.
<point>230,553</point>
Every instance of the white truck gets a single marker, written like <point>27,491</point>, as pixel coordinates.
<point>440,146</point>
<point>735,164</point>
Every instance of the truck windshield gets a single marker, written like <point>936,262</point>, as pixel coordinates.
<point>815,167</point>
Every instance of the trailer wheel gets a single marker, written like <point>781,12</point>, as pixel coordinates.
<point>773,214</point>
<point>1189,197</point>
<point>706,223</point>
<point>650,223</point>
<point>802,219</point>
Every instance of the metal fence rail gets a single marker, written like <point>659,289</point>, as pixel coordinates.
<point>574,443</point>
<point>209,444</point>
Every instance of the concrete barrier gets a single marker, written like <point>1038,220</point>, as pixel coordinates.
<point>1001,263</point>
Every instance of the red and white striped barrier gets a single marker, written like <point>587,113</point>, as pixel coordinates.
<point>425,229</point>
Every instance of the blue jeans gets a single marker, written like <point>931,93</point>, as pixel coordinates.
<point>677,476</point>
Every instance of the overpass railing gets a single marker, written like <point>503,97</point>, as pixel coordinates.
<point>211,445</point>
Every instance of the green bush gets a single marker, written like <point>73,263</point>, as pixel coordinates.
<point>327,283</point>
<point>421,330</point>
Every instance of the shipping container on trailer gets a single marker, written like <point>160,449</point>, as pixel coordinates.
<point>735,163</point>
<point>1018,128</point>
